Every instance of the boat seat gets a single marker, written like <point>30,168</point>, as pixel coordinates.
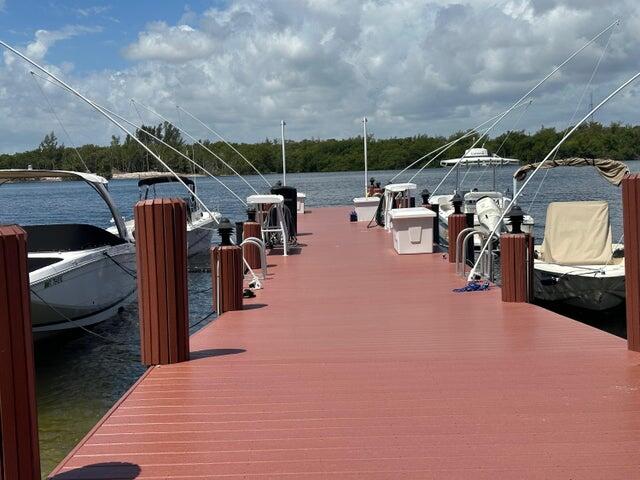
<point>68,237</point>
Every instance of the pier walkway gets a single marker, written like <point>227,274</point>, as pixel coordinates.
<point>357,363</point>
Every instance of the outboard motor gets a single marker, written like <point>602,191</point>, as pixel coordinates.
<point>488,213</point>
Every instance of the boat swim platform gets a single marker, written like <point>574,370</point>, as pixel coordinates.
<point>358,363</point>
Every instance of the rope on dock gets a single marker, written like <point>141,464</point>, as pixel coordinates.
<point>473,286</point>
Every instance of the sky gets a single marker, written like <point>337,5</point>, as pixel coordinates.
<point>411,66</point>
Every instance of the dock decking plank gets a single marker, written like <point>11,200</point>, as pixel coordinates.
<point>355,363</point>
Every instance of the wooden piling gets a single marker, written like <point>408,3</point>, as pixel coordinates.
<point>456,223</point>
<point>19,448</point>
<point>471,247</point>
<point>252,252</point>
<point>161,245</point>
<point>227,278</point>
<point>436,222</point>
<point>631,214</point>
<point>516,264</point>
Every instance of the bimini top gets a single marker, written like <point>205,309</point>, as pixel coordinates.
<point>24,173</point>
<point>147,182</point>
<point>611,170</point>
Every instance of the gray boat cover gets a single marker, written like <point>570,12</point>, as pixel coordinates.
<point>611,170</point>
<point>577,233</point>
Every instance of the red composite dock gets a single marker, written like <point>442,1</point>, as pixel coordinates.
<point>358,363</point>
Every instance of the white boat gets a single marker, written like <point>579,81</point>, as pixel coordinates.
<point>486,208</point>
<point>79,274</point>
<point>479,157</point>
<point>200,224</point>
<point>577,263</point>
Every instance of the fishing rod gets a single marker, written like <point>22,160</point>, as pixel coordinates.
<point>224,140</point>
<point>139,128</point>
<point>538,85</point>
<point>447,146</point>
<point>552,152</point>
<point>194,139</point>
<point>108,117</point>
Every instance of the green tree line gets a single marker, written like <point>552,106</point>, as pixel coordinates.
<point>593,140</point>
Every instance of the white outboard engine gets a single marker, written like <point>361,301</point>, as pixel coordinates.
<point>488,213</point>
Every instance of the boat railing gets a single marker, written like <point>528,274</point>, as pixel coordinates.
<point>486,267</point>
<point>263,254</point>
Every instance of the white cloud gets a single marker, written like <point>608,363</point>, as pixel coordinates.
<point>411,66</point>
<point>45,39</point>
<point>92,11</point>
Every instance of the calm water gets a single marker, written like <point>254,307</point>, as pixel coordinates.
<point>80,377</point>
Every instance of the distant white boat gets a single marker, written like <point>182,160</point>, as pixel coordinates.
<point>200,224</point>
<point>479,157</point>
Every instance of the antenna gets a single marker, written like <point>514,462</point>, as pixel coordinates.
<point>284,157</point>
<point>366,167</point>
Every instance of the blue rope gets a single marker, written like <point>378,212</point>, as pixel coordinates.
<point>473,286</point>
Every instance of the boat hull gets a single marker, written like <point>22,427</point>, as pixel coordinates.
<point>83,290</point>
<point>589,292</point>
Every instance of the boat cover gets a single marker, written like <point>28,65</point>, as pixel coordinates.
<point>577,233</point>
<point>611,170</point>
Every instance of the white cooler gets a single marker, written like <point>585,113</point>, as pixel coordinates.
<point>366,207</point>
<point>412,229</point>
<point>301,198</point>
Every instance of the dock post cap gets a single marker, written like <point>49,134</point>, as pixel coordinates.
<point>251,214</point>
<point>516,215</point>
<point>425,194</point>
<point>225,229</point>
<point>457,203</point>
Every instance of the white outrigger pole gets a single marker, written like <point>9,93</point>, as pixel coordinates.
<point>149,134</point>
<point>521,99</point>
<point>472,273</point>
<point>108,117</point>
<point>225,142</point>
<point>366,166</point>
<point>194,139</point>
<point>284,156</point>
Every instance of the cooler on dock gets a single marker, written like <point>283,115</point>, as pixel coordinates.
<point>412,230</point>
<point>366,207</point>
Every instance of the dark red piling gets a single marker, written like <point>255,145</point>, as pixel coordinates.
<point>19,452</point>
<point>161,245</point>
<point>457,222</point>
<point>226,272</point>
<point>252,229</point>
<point>631,212</point>
<point>516,263</point>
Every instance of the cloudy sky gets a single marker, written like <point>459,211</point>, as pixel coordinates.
<point>410,66</point>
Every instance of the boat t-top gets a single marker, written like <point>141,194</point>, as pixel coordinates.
<point>200,223</point>
<point>79,274</point>
<point>479,157</point>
